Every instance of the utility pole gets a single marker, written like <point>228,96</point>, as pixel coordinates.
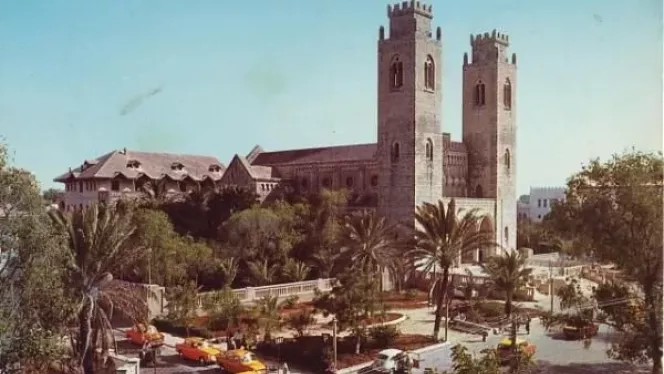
<point>551,284</point>
<point>334,340</point>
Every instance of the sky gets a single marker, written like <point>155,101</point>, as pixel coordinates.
<point>80,78</point>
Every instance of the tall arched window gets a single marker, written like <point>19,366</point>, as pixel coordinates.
<point>507,94</point>
<point>429,74</point>
<point>480,94</point>
<point>478,191</point>
<point>395,152</point>
<point>396,73</point>
<point>507,235</point>
<point>429,150</point>
<point>508,159</point>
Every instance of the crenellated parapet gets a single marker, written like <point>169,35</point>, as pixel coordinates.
<point>409,8</point>
<point>479,40</point>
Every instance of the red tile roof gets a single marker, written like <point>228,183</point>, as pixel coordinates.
<point>355,152</point>
<point>151,164</point>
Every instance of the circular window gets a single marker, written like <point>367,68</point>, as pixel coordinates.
<point>349,182</point>
<point>374,180</point>
<point>327,182</point>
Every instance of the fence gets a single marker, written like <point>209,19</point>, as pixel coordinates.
<point>300,289</point>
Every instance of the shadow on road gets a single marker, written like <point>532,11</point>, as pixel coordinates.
<point>544,367</point>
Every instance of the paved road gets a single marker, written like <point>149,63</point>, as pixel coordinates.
<point>170,363</point>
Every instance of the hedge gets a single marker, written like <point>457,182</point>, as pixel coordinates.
<point>181,331</point>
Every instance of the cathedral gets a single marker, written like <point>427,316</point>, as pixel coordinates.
<point>412,161</point>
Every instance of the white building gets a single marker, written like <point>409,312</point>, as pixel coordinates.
<point>538,203</point>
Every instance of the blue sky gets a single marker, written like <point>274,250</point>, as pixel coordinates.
<point>294,73</point>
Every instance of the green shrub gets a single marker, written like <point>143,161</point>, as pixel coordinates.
<point>384,336</point>
<point>490,310</point>
<point>411,294</point>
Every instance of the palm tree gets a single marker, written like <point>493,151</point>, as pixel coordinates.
<point>508,273</point>
<point>368,243</point>
<point>440,239</point>
<point>153,193</point>
<point>268,309</point>
<point>295,271</point>
<point>98,243</point>
<point>262,273</point>
<point>324,259</point>
<point>229,270</point>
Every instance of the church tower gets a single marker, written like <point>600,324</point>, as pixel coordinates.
<point>489,128</point>
<point>410,153</point>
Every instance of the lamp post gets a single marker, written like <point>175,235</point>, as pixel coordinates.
<point>334,340</point>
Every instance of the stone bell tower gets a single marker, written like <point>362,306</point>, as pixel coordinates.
<point>489,128</point>
<point>410,154</point>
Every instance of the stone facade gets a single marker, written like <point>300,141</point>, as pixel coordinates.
<point>413,160</point>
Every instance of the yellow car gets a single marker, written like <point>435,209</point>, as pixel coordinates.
<point>505,345</point>
<point>141,334</point>
<point>240,361</point>
<point>197,349</point>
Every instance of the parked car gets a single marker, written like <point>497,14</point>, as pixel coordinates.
<point>197,349</point>
<point>505,349</point>
<point>141,334</point>
<point>393,360</point>
<point>241,361</point>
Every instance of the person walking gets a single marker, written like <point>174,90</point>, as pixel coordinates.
<point>528,325</point>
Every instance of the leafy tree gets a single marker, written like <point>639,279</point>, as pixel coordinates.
<point>257,233</point>
<point>165,256</point>
<point>487,363</point>
<point>183,304</point>
<point>351,301</point>
<point>51,194</point>
<point>440,239</point>
<point>613,210</point>
<point>34,308</point>
<point>300,322</point>
<point>223,307</point>
<point>98,240</point>
<point>224,202</point>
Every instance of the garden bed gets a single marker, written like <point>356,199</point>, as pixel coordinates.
<point>411,299</point>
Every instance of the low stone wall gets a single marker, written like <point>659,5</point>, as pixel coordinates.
<point>303,290</point>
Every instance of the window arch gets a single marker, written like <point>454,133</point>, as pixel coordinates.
<point>327,182</point>
<point>507,94</point>
<point>395,152</point>
<point>349,182</point>
<point>429,74</point>
<point>374,180</point>
<point>304,183</point>
<point>480,94</point>
<point>478,191</point>
<point>508,159</point>
<point>429,150</point>
<point>507,234</point>
<point>396,73</point>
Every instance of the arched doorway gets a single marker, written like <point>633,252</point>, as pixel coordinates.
<point>478,191</point>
